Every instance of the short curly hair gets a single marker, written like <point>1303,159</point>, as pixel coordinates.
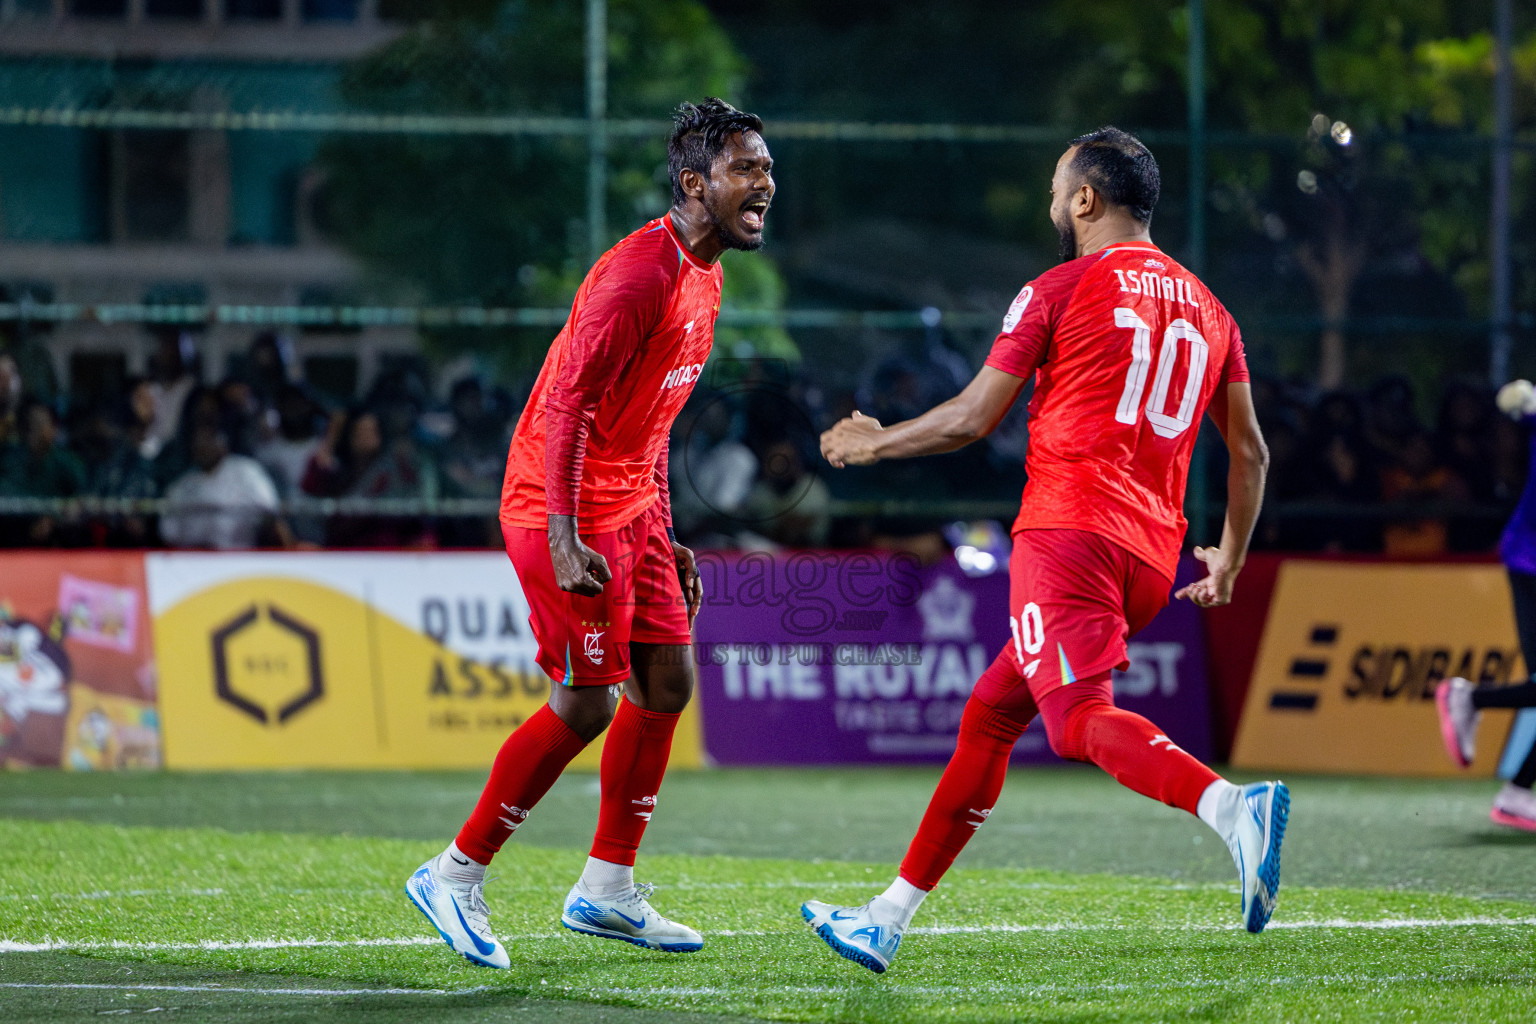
<point>1120,168</point>
<point>699,133</point>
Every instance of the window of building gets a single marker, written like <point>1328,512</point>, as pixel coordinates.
<point>329,10</point>
<point>151,186</point>
<point>173,8</point>
<point>99,8</point>
<point>253,10</point>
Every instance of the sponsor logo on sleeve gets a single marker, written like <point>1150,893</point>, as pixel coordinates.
<point>1016,311</point>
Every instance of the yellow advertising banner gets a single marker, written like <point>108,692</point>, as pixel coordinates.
<point>348,661</point>
<point>1346,673</point>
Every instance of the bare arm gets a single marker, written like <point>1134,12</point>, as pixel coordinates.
<point>1239,425</point>
<point>974,413</point>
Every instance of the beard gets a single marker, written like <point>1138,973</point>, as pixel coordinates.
<point>1066,241</point>
<point>720,219</point>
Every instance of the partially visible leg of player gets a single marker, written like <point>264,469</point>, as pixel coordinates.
<point>1084,725</point>
<point>605,901</point>
<point>448,889</point>
<point>1461,704</point>
<point>997,713</point>
<point>1075,599</point>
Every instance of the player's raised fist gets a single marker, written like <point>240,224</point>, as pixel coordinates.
<point>578,569</point>
<point>852,441</point>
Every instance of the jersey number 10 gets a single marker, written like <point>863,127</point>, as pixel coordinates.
<point>1129,409</point>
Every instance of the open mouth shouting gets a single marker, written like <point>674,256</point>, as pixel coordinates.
<point>752,213</point>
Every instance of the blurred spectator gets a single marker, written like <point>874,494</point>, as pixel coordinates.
<point>1342,472</point>
<point>1466,442</point>
<point>286,456</point>
<point>171,380</point>
<point>355,462</point>
<point>710,471</point>
<point>240,413</point>
<point>473,460</point>
<point>112,448</point>
<point>1464,437</point>
<point>10,400</point>
<point>41,467</point>
<point>270,368</point>
<point>143,410</point>
<point>224,501</point>
<point>789,505</point>
<point>1418,478</point>
<point>1390,420</point>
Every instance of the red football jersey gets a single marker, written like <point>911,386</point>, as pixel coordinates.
<point>1129,349</point>
<point>625,363</point>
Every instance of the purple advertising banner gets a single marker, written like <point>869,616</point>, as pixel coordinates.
<point>821,657</point>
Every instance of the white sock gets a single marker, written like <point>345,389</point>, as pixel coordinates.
<point>906,897</point>
<point>605,878</point>
<point>1219,805</point>
<point>457,866</point>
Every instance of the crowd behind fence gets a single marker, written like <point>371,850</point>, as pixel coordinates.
<point>262,459</point>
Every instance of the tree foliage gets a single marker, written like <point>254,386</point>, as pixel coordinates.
<point>1355,162</point>
<point>500,220</point>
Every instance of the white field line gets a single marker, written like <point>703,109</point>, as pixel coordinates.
<point>235,990</point>
<point>233,945</point>
<point>1328,924</point>
<point>1048,989</point>
<point>686,992</point>
<point>107,894</point>
<point>812,886</point>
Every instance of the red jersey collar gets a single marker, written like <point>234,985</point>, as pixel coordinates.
<point>1132,247</point>
<point>682,250</point>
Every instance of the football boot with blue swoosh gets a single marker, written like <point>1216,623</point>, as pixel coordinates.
<point>458,912</point>
<point>867,935</point>
<point>627,917</point>
<point>1254,840</point>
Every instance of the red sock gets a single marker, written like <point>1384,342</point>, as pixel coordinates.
<point>965,795</point>
<point>528,763</point>
<point>634,760</point>
<point>1085,725</point>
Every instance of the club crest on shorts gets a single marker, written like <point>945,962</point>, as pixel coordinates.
<point>593,648</point>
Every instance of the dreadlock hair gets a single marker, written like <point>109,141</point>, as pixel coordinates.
<point>1120,169</point>
<point>699,133</point>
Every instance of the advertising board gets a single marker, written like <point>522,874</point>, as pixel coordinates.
<point>867,657</point>
<point>347,660</point>
<point>77,676</point>
<point>1350,658</point>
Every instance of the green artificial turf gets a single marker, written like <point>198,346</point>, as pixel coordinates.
<point>246,888</point>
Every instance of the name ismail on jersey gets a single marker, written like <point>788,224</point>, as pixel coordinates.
<point>1145,282</point>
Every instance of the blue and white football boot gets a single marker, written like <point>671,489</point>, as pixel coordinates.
<point>627,917</point>
<point>458,911</point>
<point>867,935</point>
<point>1255,845</point>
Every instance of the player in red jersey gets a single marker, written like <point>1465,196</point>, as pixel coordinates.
<point>1128,350</point>
<point>588,527</point>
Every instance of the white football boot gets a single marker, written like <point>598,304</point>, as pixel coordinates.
<point>1458,719</point>
<point>1514,806</point>
<point>867,935</point>
<point>458,911</point>
<point>627,917</point>
<point>1254,839</point>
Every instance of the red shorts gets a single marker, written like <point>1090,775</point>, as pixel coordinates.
<point>1074,598</point>
<point>584,641</point>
